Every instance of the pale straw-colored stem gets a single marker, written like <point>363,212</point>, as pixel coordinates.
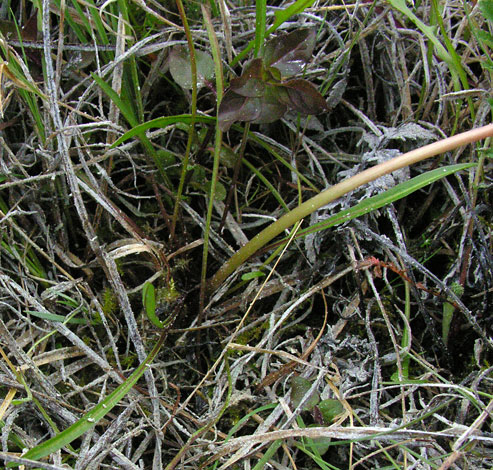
<point>338,190</point>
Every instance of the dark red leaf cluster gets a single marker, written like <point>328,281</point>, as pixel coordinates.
<point>262,94</point>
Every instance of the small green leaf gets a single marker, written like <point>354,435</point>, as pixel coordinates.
<point>289,53</point>
<point>299,388</point>
<point>330,410</point>
<point>252,275</point>
<point>220,192</point>
<point>181,70</point>
<point>149,298</point>
<point>149,302</point>
<point>228,157</point>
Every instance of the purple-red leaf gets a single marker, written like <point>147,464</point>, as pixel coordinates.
<point>250,82</point>
<point>268,108</point>
<point>271,106</point>
<point>302,96</point>
<point>290,52</point>
<point>235,107</point>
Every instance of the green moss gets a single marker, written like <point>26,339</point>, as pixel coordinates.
<point>110,303</point>
<point>252,334</point>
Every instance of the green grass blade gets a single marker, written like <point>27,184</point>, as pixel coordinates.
<point>89,420</point>
<point>160,123</point>
<point>259,139</point>
<point>129,115</point>
<point>218,139</point>
<point>57,318</point>
<point>267,183</point>
<point>281,16</point>
<point>261,13</point>
<point>124,107</point>
<point>428,31</point>
<point>391,195</point>
<point>335,192</point>
<point>74,26</point>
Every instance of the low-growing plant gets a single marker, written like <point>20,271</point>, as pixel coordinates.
<point>262,94</point>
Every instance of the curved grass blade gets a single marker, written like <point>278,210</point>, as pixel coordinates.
<point>391,195</point>
<point>90,419</point>
<point>160,123</point>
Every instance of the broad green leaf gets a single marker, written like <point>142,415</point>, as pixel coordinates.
<point>299,388</point>
<point>289,53</point>
<point>486,7</point>
<point>330,409</point>
<point>304,97</point>
<point>181,70</point>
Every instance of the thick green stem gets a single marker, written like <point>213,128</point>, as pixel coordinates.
<point>338,190</point>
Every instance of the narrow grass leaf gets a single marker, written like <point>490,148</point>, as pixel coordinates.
<point>284,15</point>
<point>391,195</point>
<point>90,419</point>
<point>58,318</point>
<point>125,108</point>
<point>161,123</point>
<point>267,183</point>
<point>428,31</point>
<point>260,15</point>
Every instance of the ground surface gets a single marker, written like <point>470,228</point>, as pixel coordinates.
<point>369,345</point>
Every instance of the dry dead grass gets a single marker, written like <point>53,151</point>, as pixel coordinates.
<point>83,227</point>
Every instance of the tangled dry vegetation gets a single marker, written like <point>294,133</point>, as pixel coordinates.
<point>368,346</point>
